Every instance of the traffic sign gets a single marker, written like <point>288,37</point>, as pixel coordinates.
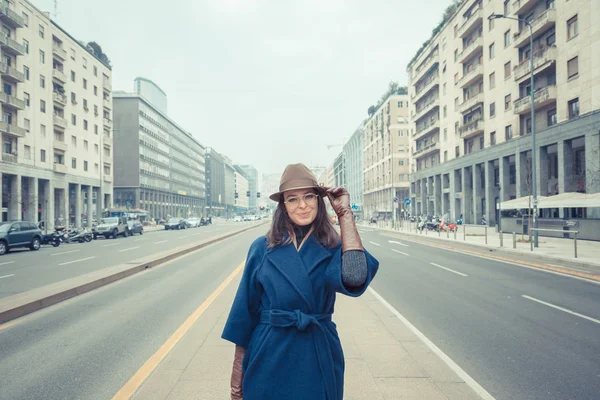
<point>407,202</point>
<point>396,200</point>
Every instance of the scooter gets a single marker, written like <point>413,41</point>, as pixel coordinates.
<point>52,238</point>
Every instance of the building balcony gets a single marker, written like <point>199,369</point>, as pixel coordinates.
<point>426,150</point>
<point>59,52</point>
<point>107,178</point>
<point>11,101</point>
<point>60,122</point>
<point>11,46</point>
<point>59,99</point>
<point>13,130</point>
<point>107,103</point>
<point>522,6</point>
<point>59,76</point>
<point>60,168</point>
<point>471,50</point>
<point>541,60</point>
<point>471,24</point>
<point>469,104</point>
<point>11,74</point>
<point>106,84</point>
<point>542,97</point>
<point>426,109</point>
<point>471,128</point>
<point>426,66</point>
<point>430,84</point>
<point>427,129</point>
<point>10,17</point>
<point>11,158</point>
<point>107,140</point>
<point>107,122</point>
<point>107,159</point>
<point>59,145</point>
<point>538,25</point>
<point>474,75</point>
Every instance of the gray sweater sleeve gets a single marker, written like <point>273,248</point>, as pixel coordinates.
<point>354,268</point>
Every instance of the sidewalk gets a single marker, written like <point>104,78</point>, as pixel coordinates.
<point>550,249</point>
<point>384,358</point>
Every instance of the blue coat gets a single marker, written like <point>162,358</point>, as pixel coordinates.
<point>281,315</point>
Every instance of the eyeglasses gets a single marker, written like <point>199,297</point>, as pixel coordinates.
<point>309,199</point>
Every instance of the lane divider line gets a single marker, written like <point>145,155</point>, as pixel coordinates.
<point>139,240</point>
<point>136,381</point>
<point>401,244</point>
<point>376,244</point>
<point>74,261</point>
<point>448,269</point>
<point>561,309</point>
<point>398,251</point>
<point>477,388</point>
<point>164,241</point>
<point>64,252</point>
<point>6,276</point>
<point>7,262</point>
<point>131,248</point>
<point>112,244</point>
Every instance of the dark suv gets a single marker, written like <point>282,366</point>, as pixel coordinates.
<point>19,234</point>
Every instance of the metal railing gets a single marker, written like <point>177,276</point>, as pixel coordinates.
<point>556,230</point>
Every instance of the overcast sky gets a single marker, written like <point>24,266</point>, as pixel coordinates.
<point>264,82</point>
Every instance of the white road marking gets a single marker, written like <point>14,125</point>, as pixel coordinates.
<point>112,244</point>
<point>6,276</point>
<point>397,251</point>
<point>64,252</point>
<point>8,262</point>
<point>477,388</point>
<point>575,268</point>
<point>562,309</point>
<point>137,240</point>
<point>448,269</point>
<point>182,237</point>
<point>401,244</point>
<point>74,261</point>
<point>131,248</point>
<point>376,244</point>
<point>164,241</point>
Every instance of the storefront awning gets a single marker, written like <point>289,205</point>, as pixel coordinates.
<point>564,200</point>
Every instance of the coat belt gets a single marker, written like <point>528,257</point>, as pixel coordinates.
<point>302,321</point>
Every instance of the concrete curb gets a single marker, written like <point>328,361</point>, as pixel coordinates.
<point>507,250</point>
<point>21,304</point>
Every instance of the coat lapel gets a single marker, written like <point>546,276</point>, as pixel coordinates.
<point>313,253</point>
<point>287,260</point>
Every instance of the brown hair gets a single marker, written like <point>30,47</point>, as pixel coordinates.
<point>282,225</point>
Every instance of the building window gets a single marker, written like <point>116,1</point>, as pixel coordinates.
<point>41,31</point>
<point>26,72</point>
<point>27,99</point>
<point>42,106</point>
<point>96,129</point>
<point>492,50</point>
<point>85,83</point>
<point>507,38</point>
<point>85,165</point>
<point>492,110</point>
<point>573,67</point>
<point>73,119</point>
<point>552,117</point>
<point>445,155</point>
<point>456,128</point>
<point>445,134</point>
<point>42,57</point>
<point>492,80</point>
<point>85,124</point>
<point>85,144</point>
<point>455,55</point>
<point>445,89</point>
<point>457,151</point>
<point>492,138</point>
<point>456,79</point>
<point>74,141</point>
<point>43,130</point>
<point>508,134</point>
<point>96,148</point>
<point>481,144</point>
<point>95,90</point>
<point>572,28</point>
<point>506,7</point>
<point>401,163</point>
<point>84,62</point>
<point>96,110</point>
<point>490,25</point>
<point>25,19</point>
<point>550,4</point>
<point>95,71</point>
<point>456,104</point>
<point>507,102</point>
<point>96,168</point>
<point>72,76</point>
<point>74,163</point>
<point>43,155</point>
<point>574,108</point>
<point>527,126</point>
<point>445,111</point>
<point>27,124</point>
<point>507,70</point>
<point>26,46</point>
<point>85,104</point>
<point>73,98</point>
<point>42,81</point>
<point>72,54</point>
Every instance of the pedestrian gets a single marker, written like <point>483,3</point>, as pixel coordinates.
<point>286,345</point>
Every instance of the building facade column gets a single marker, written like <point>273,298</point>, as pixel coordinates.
<point>14,206</point>
<point>490,193</point>
<point>99,202</point>
<point>437,187</point>
<point>592,166</point>
<point>504,165</point>
<point>476,179</point>
<point>452,196</point>
<point>1,199</point>
<point>48,204</point>
<point>542,171</point>
<point>522,174</point>
<point>33,200</point>
<point>78,203</point>
<point>467,190</point>
<point>90,205</point>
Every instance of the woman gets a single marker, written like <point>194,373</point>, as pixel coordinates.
<point>287,347</point>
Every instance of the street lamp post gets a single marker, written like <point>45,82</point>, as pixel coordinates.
<point>534,148</point>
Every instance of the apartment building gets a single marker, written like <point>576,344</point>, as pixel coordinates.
<point>386,157</point>
<point>251,174</point>
<point>471,107</point>
<point>354,179</point>
<point>241,188</point>
<point>159,166</point>
<point>215,182</point>
<point>56,137</point>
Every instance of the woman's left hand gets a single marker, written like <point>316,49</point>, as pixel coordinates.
<point>340,200</point>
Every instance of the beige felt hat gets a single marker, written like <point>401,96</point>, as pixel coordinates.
<point>296,176</point>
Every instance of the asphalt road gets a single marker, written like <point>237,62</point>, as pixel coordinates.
<point>89,346</point>
<point>22,269</point>
<point>475,310</point>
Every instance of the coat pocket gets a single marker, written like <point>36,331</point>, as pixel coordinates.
<point>257,346</point>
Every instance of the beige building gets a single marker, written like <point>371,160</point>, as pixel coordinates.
<point>386,157</point>
<point>471,109</point>
<point>56,121</point>
<point>241,188</point>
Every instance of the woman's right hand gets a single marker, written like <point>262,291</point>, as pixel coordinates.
<point>237,375</point>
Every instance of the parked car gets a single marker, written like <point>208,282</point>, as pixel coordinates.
<point>238,218</point>
<point>111,227</point>
<point>175,223</point>
<point>134,226</point>
<point>19,234</point>
<point>192,222</point>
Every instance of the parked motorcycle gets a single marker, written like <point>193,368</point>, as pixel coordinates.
<point>51,239</point>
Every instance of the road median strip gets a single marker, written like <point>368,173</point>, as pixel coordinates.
<point>24,303</point>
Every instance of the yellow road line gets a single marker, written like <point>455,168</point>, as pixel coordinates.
<point>136,381</point>
<point>7,325</point>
